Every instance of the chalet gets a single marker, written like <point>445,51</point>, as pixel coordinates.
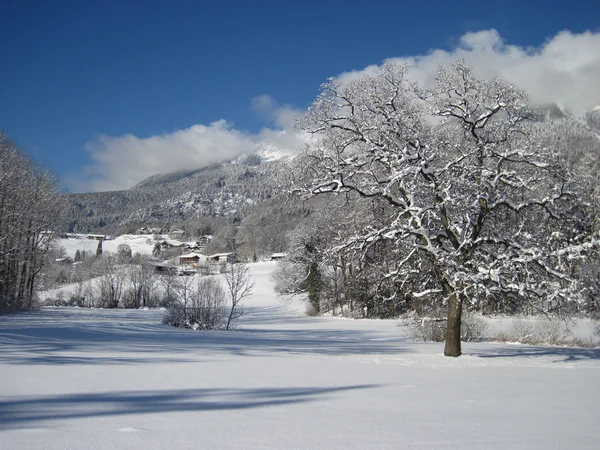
<point>171,243</point>
<point>165,267</point>
<point>203,241</point>
<point>176,233</point>
<point>149,230</point>
<point>198,245</point>
<point>223,258</point>
<point>192,245</point>
<point>278,256</point>
<point>65,261</point>
<point>96,237</point>
<point>192,259</point>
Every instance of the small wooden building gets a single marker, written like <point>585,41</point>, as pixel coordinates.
<point>223,258</point>
<point>192,259</point>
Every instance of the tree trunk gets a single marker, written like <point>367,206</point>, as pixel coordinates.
<point>313,287</point>
<point>452,347</point>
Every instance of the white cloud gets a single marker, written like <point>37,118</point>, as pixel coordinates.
<point>121,162</point>
<point>283,116</point>
<point>564,70</point>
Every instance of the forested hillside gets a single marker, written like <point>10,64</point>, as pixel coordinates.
<point>228,190</point>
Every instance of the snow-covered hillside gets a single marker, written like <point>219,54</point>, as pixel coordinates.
<point>142,244</point>
<point>97,379</point>
<point>225,189</point>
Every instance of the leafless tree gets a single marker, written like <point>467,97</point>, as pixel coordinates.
<point>111,281</point>
<point>184,286</point>
<point>482,212</point>
<point>207,310</point>
<point>30,208</point>
<point>239,285</point>
<point>143,282</point>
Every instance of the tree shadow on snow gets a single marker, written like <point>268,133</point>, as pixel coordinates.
<point>559,354</point>
<point>27,411</point>
<point>51,336</point>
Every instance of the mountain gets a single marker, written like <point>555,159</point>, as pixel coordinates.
<point>592,118</point>
<point>229,190</point>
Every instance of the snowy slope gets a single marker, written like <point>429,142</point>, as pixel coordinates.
<point>142,244</point>
<point>93,379</point>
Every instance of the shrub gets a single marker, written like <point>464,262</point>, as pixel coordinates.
<point>473,329</point>
<point>430,330</point>
<point>204,310</point>
<point>551,332</point>
<point>175,315</point>
<point>311,311</point>
<point>540,331</point>
<point>521,331</point>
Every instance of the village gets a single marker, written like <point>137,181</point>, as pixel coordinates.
<point>168,252</point>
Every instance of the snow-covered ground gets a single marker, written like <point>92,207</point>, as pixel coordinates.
<point>142,244</point>
<point>97,379</point>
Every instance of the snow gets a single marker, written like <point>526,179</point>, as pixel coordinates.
<point>97,379</point>
<point>142,244</point>
<point>193,255</point>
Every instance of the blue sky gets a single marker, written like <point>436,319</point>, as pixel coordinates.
<point>84,82</point>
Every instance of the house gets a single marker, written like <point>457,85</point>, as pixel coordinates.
<point>223,258</point>
<point>278,256</point>
<point>149,230</point>
<point>198,245</point>
<point>65,261</point>
<point>171,243</point>
<point>176,233</point>
<point>192,259</point>
<point>203,241</point>
<point>165,267</point>
<point>97,237</point>
<point>192,245</point>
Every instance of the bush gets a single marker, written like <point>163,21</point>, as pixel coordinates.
<point>129,300</point>
<point>175,315</point>
<point>430,330</point>
<point>540,331</point>
<point>205,309</point>
<point>473,329</point>
<point>61,300</point>
<point>311,311</point>
<point>521,331</point>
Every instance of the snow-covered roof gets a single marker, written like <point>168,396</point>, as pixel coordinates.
<point>218,255</point>
<point>63,260</point>
<point>174,242</point>
<point>193,255</point>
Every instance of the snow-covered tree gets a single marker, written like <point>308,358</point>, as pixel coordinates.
<point>124,253</point>
<point>30,208</point>
<point>481,211</point>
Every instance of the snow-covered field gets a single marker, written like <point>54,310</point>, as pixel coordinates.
<point>100,379</point>
<point>142,244</point>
